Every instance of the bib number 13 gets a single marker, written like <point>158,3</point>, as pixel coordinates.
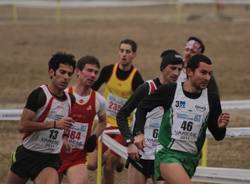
<point>187,126</point>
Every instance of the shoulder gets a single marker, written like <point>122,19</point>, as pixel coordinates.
<point>36,99</point>
<point>213,97</point>
<point>72,98</point>
<point>100,98</point>
<point>168,87</point>
<point>37,93</point>
<point>138,73</point>
<point>100,102</point>
<point>108,68</point>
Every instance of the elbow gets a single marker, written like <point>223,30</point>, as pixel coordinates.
<point>21,127</point>
<point>119,118</point>
<point>220,135</point>
<point>219,138</point>
<point>104,125</point>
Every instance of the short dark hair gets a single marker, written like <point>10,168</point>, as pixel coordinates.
<point>199,41</point>
<point>169,57</point>
<point>195,61</point>
<point>130,42</point>
<point>61,58</point>
<point>87,60</point>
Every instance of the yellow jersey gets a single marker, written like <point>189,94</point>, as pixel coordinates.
<point>117,92</point>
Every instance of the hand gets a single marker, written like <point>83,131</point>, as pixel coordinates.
<point>90,143</point>
<point>64,123</point>
<point>66,145</point>
<point>223,120</point>
<point>139,141</point>
<point>133,151</point>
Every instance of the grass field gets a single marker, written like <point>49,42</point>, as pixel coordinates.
<point>27,44</point>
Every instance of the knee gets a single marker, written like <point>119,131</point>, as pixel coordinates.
<point>92,166</point>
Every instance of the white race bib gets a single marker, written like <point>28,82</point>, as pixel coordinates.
<point>186,126</point>
<point>50,138</point>
<point>78,134</point>
<point>114,104</point>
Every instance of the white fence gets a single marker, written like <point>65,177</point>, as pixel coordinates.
<point>14,114</point>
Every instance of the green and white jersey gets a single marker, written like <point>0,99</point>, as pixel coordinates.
<point>184,124</point>
<point>186,117</point>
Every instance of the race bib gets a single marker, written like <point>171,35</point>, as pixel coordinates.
<point>78,134</point>
<point>151,135</point>
<point>186,126</point>
<point>114,104</point>
<point>50,138</point>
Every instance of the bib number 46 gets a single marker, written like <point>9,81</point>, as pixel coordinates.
<point>187,126</point>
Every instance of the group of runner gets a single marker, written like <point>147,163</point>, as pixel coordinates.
<point>164,140</point>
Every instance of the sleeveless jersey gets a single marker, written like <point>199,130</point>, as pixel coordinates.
<point>183,127</point>
<point>83,114</point>
<point>152,126</point>
<point>49,140</point>
<point>183,75</point>
<point>117,93</point>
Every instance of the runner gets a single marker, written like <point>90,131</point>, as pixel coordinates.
<point>141,168</point>
<point>195,46</point>
<point>121,80</point>
<point>43,122</point>
<point>89,103</point>
<point>189,109</point>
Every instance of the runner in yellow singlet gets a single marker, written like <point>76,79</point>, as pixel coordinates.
<point>121,79</point>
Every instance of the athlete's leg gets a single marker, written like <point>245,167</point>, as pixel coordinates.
<point>120,165</point>
<point>13,178</point>
<point>135,176</point>
<point>77,174</point>
<point>92,160</point>
<point>109,168</point>
<point>174,173</point>
<point>60,177</point>
<point>48,175</point>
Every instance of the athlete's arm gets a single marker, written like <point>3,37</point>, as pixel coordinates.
<point>163,96</point>
<point>137,81</point>
<point>212,86</point>
<point>128,108</point>
<point>215,111</point>
<point>35,101</point>
<point>101,114</point>
<point>91,142</point>
<point>103,77</point>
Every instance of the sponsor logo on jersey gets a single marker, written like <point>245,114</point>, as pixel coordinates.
<point>199,108</point>
<point>181,104</point>
<point>89,108</point>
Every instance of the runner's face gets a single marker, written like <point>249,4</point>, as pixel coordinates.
<point>192,48</point>
<point>61,77</point>
<point>126,54</point>
<point>171,73</point>
<point>88,74</point>
<point>201,76</point>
